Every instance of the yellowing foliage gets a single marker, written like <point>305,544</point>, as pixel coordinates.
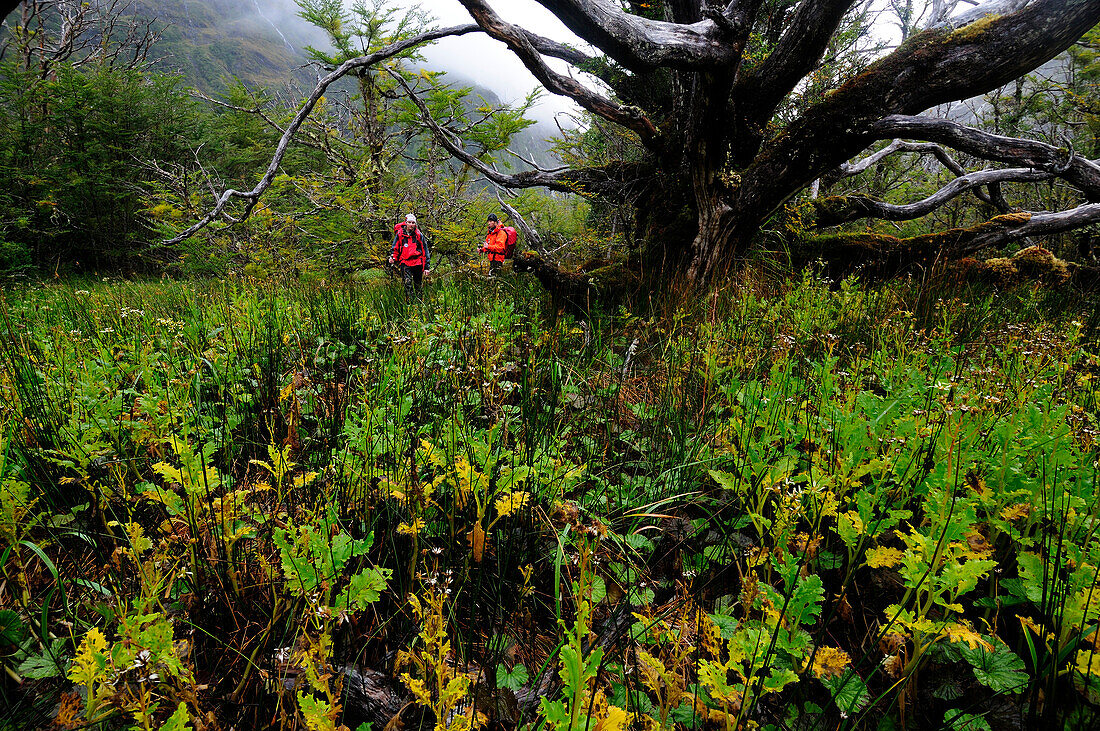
<point>830,662</point>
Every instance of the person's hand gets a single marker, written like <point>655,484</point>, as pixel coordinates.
<point>390,260</point>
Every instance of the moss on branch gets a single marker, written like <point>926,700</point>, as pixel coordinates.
<point>576,292</point>
<point>882,256</point>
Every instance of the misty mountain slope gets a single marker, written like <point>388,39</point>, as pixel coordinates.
<point>261,42</point>
<point>533,142</point>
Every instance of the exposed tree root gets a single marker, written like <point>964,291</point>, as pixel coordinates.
<point>575,292</point>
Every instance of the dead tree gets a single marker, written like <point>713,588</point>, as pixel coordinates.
<point>50,33</point>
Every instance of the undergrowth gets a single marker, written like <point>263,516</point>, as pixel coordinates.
<point>799,506</point>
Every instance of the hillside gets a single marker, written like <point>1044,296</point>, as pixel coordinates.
<point>262,43</point>
<point>213,41</point>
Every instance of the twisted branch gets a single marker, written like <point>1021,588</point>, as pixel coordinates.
<point>251,197</point>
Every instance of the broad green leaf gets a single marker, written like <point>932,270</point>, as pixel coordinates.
<point>315,712</point>
<point>1001,670</point>
<point>963,577</point>
<point>555,713</point>
<point>48,664</point>
<point>599,590</point>
<point>367,585</point>
<point>514,679</point>
<point>1032,575</point>
<point>777,680</point>
<point>685,714</point>
<point>956,720</point>
<point>850,528</point>
<point>571,669</point>
<point>726,625</point>
<point>848,690</point>
<point>725,480</point>
<point>178,721</point>
<point>12,629</point>
<point>805,604</point>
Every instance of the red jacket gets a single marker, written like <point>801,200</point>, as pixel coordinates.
<point>409,248</point>
<point>495,243</point>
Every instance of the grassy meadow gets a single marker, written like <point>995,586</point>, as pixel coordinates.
<point>789,505</point>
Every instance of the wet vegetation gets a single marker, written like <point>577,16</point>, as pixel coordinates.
<point>792,505</point>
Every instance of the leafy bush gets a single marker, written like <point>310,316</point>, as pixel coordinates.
<point>788,503</point>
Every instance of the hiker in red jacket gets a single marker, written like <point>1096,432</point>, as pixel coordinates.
<point>411,254</point>
<point>495,245</point>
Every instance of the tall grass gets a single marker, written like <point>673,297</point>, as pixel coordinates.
<point>798,504</point>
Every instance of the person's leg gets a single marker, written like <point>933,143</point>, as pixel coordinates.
<point>494,266</point>
<point>407,278</point>
<point>418,280</point>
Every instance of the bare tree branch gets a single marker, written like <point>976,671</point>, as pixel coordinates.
<point>528,230</point>
<point>942,9</point>
<point>74,32</point>
<point>588,180</point>
<point>1037,224</point>
<point>553,49</point>
<point>516,39</point>
<point>933,67</point>
<point>306,137</point>
<point>251,197</point>
<point>639,43</point>
<point>993,197</point>
<point>849,169</point>
<point>1079,171</point>
<point>844,209</point>
<point>535,165</point>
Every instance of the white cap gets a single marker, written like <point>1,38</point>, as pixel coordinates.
<point>410,218</point>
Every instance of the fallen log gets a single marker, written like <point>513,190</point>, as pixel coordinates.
<point>371,697</point>
<point>577,292</point>
<point>1032,264</point>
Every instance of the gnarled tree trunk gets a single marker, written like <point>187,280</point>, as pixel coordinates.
<point>716,157</point>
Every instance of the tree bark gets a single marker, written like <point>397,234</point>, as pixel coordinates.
<point>880,256</point>
<point>844,209</point>
<point>932,68</point>
<point>715,163</point>
<point>739,176</point>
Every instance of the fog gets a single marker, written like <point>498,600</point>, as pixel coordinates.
<point>479,57</point>
<point>282,17</point>
<point>475,57</point>
<point>488,62</point>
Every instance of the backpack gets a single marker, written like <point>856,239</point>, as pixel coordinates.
<point>421,246</point>
<point>510,244</point>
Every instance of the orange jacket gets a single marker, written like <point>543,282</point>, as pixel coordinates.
<point>495,242</point>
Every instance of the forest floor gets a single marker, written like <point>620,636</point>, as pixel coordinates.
<point>790,505</point>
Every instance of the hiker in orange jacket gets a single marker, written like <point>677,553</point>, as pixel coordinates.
<point>411,254</point>
<point>495,244</point>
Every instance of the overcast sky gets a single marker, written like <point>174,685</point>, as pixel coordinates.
<point>488,61</point>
